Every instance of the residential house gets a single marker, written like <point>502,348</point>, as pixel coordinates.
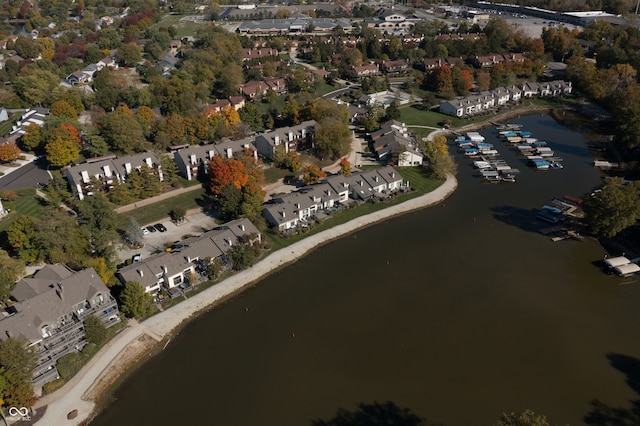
<point>393,139</point>
<point>50,311</point>
<point>249,54</point>
<point>254,89</point>
<point>395,67</point>
<point>367,70</point>
<point>32,116</point>
<point>167,270</point>
<point>293,138</point>
<point>486,61</point>
<point>101,173</point>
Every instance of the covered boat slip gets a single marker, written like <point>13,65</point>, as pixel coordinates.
<point>615,262</point>
<point>626,269</point>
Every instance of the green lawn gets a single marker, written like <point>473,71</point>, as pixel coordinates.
<point>6,127</point>
<point>184,28</point>
<point>27,203</point>
<point>273,174</point>
<point>160,210</point>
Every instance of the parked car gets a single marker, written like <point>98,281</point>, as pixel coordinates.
<point>160,227</point>
<point>151,228</point>
<point>145,231</point>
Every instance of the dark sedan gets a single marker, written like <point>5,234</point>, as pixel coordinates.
<point>160,227</point>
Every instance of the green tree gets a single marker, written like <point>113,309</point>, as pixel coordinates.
<point>35,85</point>
<point>98,147</point>
<point>129,54</point>
<point>614,208</point>
<point>22,237</point>
<point>95,330</point>
<point>332,137</point>
<point>135,302</point>
<point>178,214</point>
<point>523,418</point>
<point>73,249</point>
<point>10,271</point>
<point>32,138</point>
<point>134,235</point>
<point>169,169</point>
<point>97,214</point>
<point>122,132</point>
<point>18,360</point>
<point>229,201</point>
<point>242,256</point>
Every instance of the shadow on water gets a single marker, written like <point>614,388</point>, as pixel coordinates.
<point>524,219</point>
<point>375,414</point>
<point>602,414</point>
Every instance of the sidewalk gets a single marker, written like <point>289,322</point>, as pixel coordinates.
<point>28,158</point>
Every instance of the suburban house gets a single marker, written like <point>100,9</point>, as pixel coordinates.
<point>170,269</point>
<point>488,100</point>
<point>193,160</point>
<point>395,67</point>
<point>298,137</point>
<point>367,70</point>
<point>433,63</point>
<point>297,208</point>
<point>104,171</point>
<point>393,138</point>
<point>254,89</point>
<point>249,54</point>
<point>31,116</point>
<point>50,311</point>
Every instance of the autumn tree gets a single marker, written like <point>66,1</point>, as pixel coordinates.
<point>63,145</point>
<point>226,171</point>
<point>345,167</point>
<point>313,174</point>
<point>105,270</point>
<point>134,301</point>
<point>437,153</point>
<point>9,151</point>
<point>123,132</point>
<point>62,109</point>
<point>18,360</point>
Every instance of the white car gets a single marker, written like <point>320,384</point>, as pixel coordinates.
<point>145,231</point>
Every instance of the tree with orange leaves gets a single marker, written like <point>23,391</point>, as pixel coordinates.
<point>231,116</point>
<point>226,171</point>
<point>9,151</point>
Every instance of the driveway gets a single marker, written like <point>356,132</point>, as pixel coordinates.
<point>29,174</point>
<point>194,224</point>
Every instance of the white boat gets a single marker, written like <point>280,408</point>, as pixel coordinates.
<point>482,164</point>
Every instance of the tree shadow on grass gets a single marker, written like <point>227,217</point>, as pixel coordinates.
<point>602,414</point>
<point>375,414</point>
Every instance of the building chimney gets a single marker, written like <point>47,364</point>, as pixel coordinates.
<point>193,159</point>
<point>290,136</point>
<point>212,153</point>
<point>229,153</point>
<point>107,171</point>
<point>276,140</point>
<point>127,167</point>
<point>165,269</point>
<point>148,161</point>
<point>85,176</point>
<point>141,272</point>
<point>242,227</point>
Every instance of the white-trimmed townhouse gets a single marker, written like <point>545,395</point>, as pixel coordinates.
<point>105,171</point>
<point>292,138</point>
<point>502,96</point>
<point>193,160</point>
<point>171,269</point>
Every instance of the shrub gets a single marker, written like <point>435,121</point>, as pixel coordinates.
<point>70,364</point>
<point>52,386</point>
<point>8,195</point>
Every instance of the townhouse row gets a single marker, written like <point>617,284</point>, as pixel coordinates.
<point>491,99</point>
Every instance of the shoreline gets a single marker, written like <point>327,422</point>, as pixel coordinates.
<point>84,391</point>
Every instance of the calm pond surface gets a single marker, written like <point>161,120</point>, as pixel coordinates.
<point>457,313</point>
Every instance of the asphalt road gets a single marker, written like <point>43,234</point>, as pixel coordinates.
<point>27,176</point>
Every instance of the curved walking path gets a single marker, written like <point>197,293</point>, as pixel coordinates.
<point>70,397</point>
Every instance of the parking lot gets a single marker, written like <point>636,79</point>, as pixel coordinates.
<point>194,224</point>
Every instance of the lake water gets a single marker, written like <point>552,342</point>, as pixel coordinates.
<point>457,313</point>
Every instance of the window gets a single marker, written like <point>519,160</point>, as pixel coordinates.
<point>177,279</point>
